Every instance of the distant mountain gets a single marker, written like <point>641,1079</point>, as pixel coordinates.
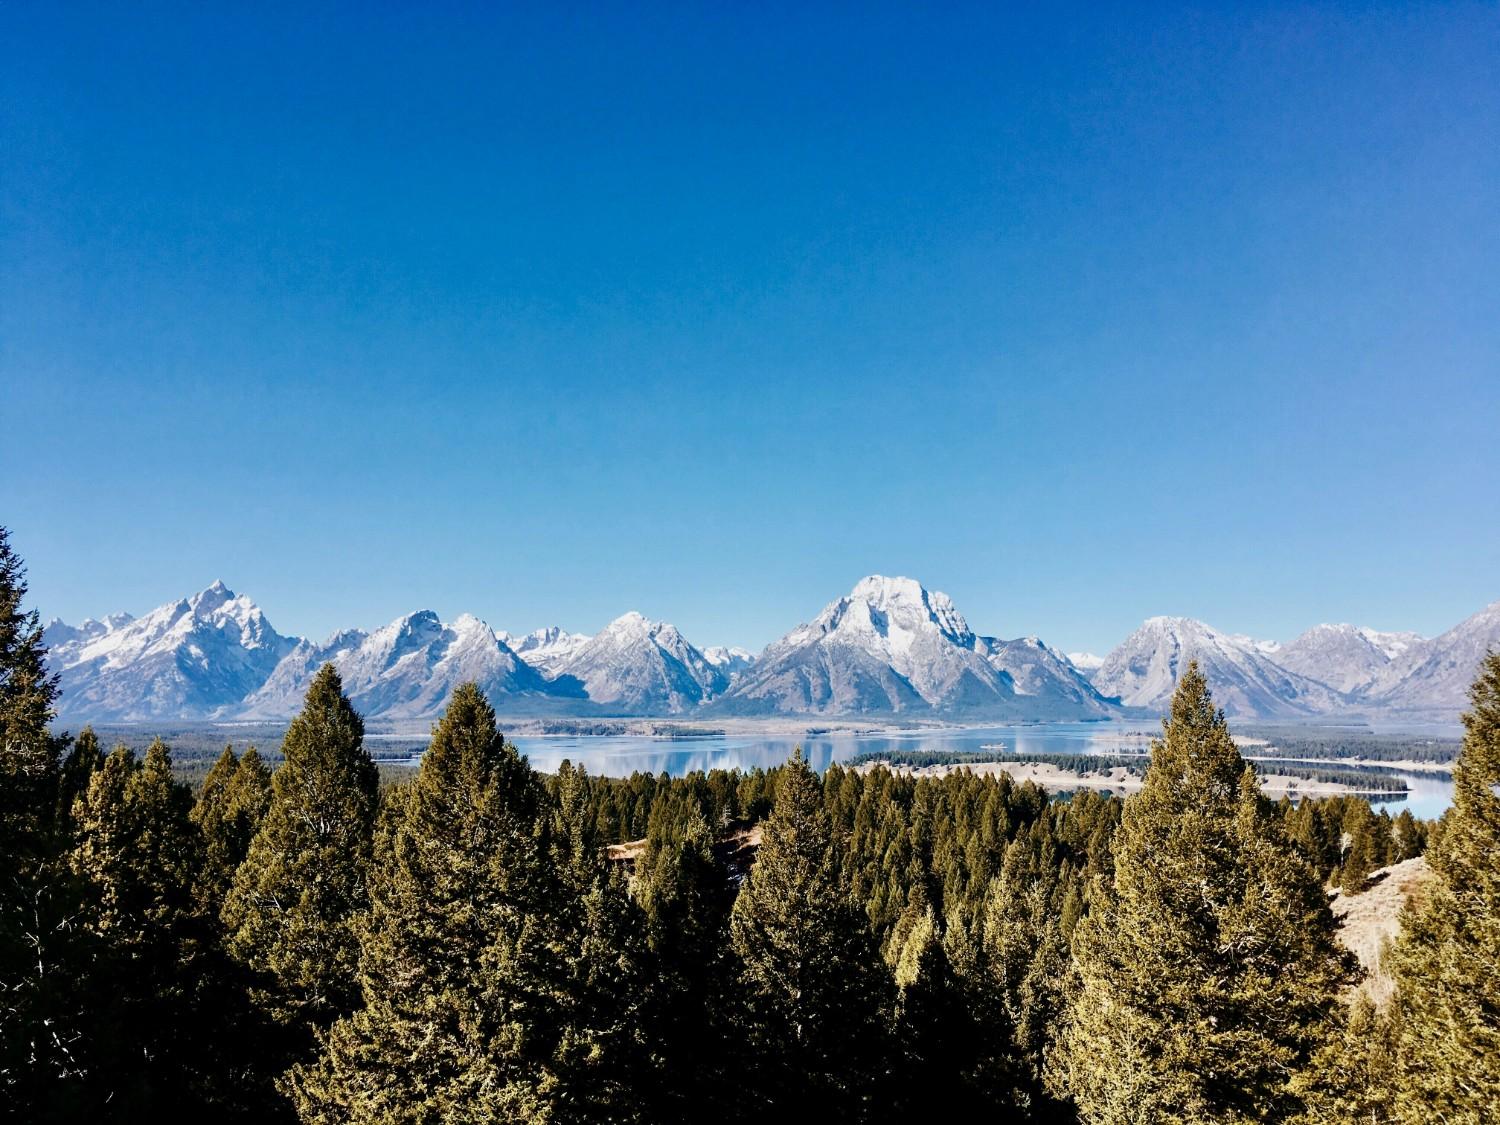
<point>546,650</point>
<point>731,661</point>
<point>196,658</point>
<point>1433,676</point>
<point>407,669</point>
<point>891,645</point>
<point>1242,673</point>
<point>1048,682</point>
<point>1347,658</point>
<point>65,642</point>
<point>638,666</point>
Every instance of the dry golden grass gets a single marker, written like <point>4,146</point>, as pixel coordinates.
<point>1373,917</point>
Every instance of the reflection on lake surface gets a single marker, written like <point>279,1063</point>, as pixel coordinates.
<point>621,755</point>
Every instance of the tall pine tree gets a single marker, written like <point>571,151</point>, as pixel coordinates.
<point>461,971</point>
<point>686,895</point>
<point>1446,960</point>
<point>817,993</point>
<point>234,798</point>
<point>291,910</point>
<point>82,761</point>
<point>138,855</point>
<point>1207,970</point>
<point>41,1023</point>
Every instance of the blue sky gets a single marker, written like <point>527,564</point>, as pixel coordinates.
<point>1080,316</point>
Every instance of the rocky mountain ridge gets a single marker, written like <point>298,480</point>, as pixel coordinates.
<point>890,646</point>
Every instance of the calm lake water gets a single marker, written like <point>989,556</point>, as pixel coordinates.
<point>622,755</point>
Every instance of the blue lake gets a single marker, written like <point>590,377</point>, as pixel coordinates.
<point>621,755</point>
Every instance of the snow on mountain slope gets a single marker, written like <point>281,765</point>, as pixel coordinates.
<point>546,650</point>
<point>193,658</point>
<point>1433,676</point>
<point>637,665</point>
<point>889,646</point>
<point>65,643</point>
<point>1051,682</point>
<point>1243,674</point>
<point>892,645</point>
<point>407,669</point>
<point>731,660</point>
<point>1346,657</point>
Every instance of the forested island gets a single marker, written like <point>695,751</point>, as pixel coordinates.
<point>309,943</point>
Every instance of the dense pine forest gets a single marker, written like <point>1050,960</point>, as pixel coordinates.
<point>483,943</point>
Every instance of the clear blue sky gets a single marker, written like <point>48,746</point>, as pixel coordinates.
<point>708,310</point>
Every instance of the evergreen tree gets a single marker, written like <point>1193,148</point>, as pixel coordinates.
<point>461,972</point>
<point>1410,836</point>
<point>1446,960</point>
<point>938,1025</point>
<point>28,750</point>
<point>603,1061</point>
<point>816,990</point>
<point>685,894</point>
<point>1361,856</point>
<point>1026,958</point>
<point>137,854</point>
<point>83,760</point>
<point>41,1024</point>
<point>208,814</point>
<point>1348,1081</point>
<point>292,905</point>
<point>1207,971</point>
<point>234,798</point>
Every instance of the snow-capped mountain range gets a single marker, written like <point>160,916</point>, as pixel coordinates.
<point>891,645</point>
<point>888,647</point>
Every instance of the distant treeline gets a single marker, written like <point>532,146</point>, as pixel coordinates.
<point>1375,748</point>
<point>1090,764</point>
<point>1372,780</point>
<point>1073,763</point>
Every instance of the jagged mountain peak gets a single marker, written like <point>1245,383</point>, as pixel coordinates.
<point>1348,657</point>
<point>889,645</point>
<point>1433,676</point>
<point>546,649</point>
<point>408,668</point>
<point>731,658</point>
<point>1242,672</point>
<point>197,657</point>
<point>635,664</point>
<point>893,645</point>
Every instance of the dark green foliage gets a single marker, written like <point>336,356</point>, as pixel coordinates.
<point>1447,959</point>
<point>41,1023</point>
<point>456,971</point>
<point>136,854</point>
<point>1349,1079</point>
<point>82,761</point>
<point>499,962</point>
<point>685,894</point>
<point>291,910</point>
<point>816,995</point>
<point>1298,743</point>
<point>1207,969</point>
<point>230,807</point>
